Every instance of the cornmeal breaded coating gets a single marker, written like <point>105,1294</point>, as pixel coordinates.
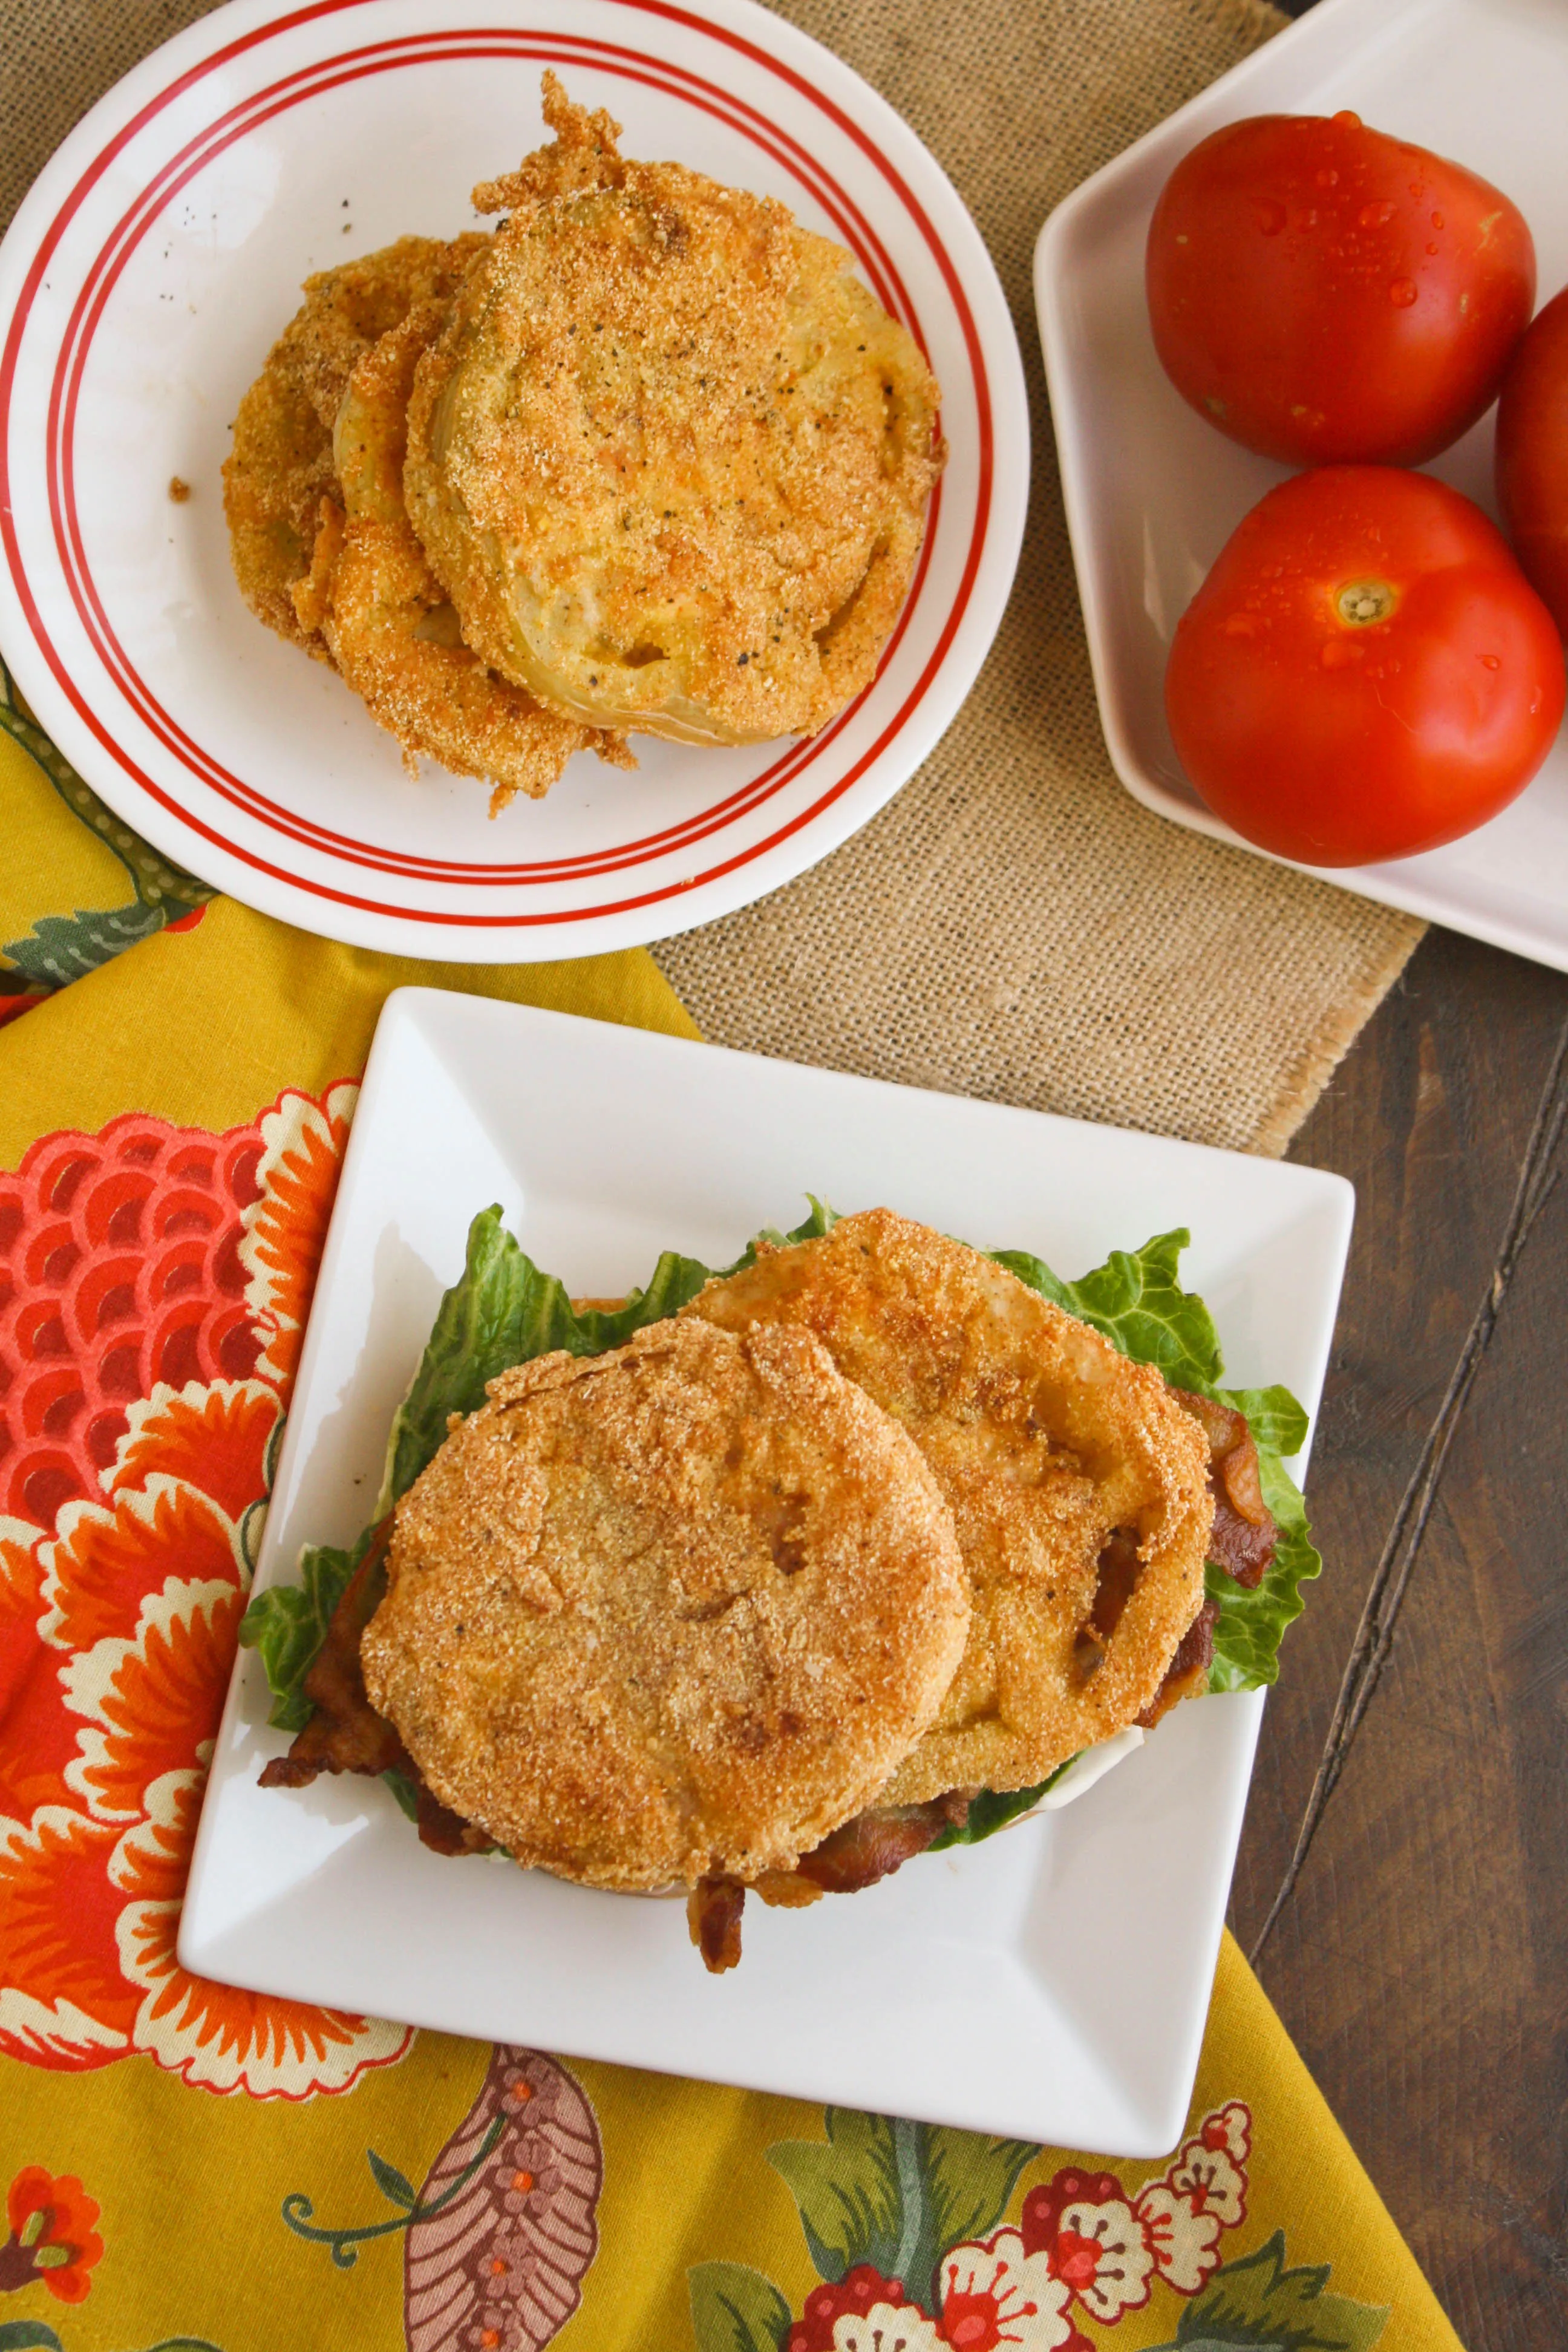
<point>670,459</point>
<point>669,1613</point>
<point>1071,1473</point>
<point>386,618</point>
<point>281,467</point>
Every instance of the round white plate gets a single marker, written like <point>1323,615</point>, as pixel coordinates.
<point>143,280</point>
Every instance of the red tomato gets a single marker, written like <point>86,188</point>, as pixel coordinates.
<point>1331,296</point>
<point>1532,456</point>
<point>1366,672</point>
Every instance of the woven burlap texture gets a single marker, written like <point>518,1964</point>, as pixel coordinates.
<point>1013,925</point>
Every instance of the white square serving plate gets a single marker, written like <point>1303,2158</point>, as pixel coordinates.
<point>1051,1984</point>
<point>1153,491</point>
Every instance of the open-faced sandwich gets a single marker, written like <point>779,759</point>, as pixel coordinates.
<point>773,1578</point>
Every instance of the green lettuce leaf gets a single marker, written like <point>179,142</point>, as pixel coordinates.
<point>1250,1626</point>
<point>991,1812</point>
<point>1136,1299</point>
<point>289,1623</point>
<point>503,1310</point>
<point>1274,1417</point>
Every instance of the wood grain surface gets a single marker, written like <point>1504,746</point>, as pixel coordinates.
<point>1402,1884</point>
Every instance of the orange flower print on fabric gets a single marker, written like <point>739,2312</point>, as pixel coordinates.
<point>153,1282</point>
<point>296,1176</point>
<point>37,1743</point>
<point>54,2235</point>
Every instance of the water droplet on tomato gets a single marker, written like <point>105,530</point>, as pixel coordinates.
<point>1307,218</point>
<point>1437,220</point>
<point>1269,216</point>
<point>1375,216</point>
<point>1328,178</point>
<point>1351,120</point>
<point>1339,653</point>
<point>1402,293</point>
<point>1491,661</point>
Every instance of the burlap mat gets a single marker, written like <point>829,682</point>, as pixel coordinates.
<point>1013,925</point>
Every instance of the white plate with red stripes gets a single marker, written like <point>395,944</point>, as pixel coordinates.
<point>143,283</point>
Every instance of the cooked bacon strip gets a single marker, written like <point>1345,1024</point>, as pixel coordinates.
<point>878,1842</point>
<point>1188,1672</point>
<point>1245,1534</point>
<point>872,1847</point>
<point>713,1911</point>
<point>345,1734</point>
<point>1241,1548</point>
<point>442,1829</point>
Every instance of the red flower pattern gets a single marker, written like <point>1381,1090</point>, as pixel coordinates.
<point>53,2235</point>
<point>862,2309</point>
<point>121,1272</point>
<point>154,1281</point>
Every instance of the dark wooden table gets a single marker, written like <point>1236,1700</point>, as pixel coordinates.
<point>1403,1885</point>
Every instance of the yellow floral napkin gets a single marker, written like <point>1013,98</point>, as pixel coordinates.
<point>186,2166</point>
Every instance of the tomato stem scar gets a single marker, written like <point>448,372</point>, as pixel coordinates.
<point>1363,602</point>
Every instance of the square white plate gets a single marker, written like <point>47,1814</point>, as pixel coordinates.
<point>1051,1984</point>
<point>1153,492</point>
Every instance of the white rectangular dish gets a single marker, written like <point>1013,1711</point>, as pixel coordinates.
<point>1153,492</point>
<point>1007,1987</point>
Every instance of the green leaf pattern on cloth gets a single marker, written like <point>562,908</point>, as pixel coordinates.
<point>735,2309</point>
<point>848,2189</point>
<point>60,947</point>
<point>1258,2302</point>
<point>894,2194</point>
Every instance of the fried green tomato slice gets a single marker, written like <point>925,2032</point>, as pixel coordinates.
<point>1078,1485</point>
<point>386,619</point>
<point>670,459</point>
<point>280,466</point>
<point>671,1613</point>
